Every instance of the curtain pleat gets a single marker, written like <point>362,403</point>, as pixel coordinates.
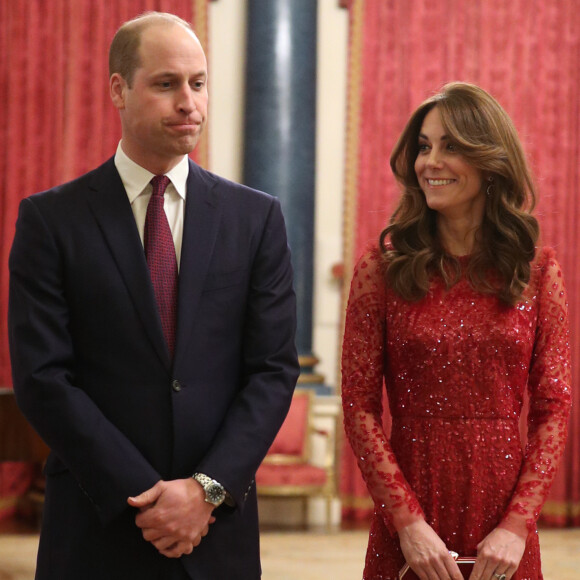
<point>58,119</point>
<point>527,54</point>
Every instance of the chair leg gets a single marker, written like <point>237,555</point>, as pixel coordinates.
<point>328,513</point>
<point>305,511</point>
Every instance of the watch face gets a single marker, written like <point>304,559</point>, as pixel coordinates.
<point>215,493</point>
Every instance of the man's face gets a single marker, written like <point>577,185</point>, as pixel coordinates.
<point>164,112</point>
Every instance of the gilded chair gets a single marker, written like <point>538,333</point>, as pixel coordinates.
<point>288,469</point>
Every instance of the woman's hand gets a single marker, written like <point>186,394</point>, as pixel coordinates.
<point>426,553</point>
<point>499,553</point>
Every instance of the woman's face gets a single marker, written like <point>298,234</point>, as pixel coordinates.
<point>451,185</point>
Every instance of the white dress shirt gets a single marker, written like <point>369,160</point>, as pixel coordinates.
<point>137,182</point>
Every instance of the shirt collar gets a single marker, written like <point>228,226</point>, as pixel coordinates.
<point>136,178</point>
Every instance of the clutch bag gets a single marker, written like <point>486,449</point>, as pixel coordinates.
<point>465,564</point>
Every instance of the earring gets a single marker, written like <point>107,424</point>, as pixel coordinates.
<point>489,190</point>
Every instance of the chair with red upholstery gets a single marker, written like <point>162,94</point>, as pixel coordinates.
<point>288,469</point>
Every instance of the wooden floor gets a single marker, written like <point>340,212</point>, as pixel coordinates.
<point>292,555</point>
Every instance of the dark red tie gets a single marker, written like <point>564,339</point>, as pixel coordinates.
<point>160,253</point>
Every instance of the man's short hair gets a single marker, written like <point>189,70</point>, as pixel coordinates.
<point>124,51</point>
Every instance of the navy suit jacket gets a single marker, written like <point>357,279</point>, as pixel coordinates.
<point>93,375</point>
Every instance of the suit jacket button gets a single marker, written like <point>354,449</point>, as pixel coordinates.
<point>176,385</point>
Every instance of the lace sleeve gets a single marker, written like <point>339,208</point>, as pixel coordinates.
<point>550,400</point>
<point>362,381</point>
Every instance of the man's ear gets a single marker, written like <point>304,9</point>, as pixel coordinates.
<point>118,88</point>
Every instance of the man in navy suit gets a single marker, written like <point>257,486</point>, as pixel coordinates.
<point>153,448</point>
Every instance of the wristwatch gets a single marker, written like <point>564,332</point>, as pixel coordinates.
<point>214,491</point>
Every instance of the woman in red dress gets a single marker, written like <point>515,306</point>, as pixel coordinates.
<point>457,312</point>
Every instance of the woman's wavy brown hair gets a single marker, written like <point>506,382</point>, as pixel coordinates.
<point>505,242</point>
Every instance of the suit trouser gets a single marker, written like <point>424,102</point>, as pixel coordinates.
<point>174,571</point>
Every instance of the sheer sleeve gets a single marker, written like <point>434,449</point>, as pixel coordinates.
<point>363,356</point>
<point>550,400</point>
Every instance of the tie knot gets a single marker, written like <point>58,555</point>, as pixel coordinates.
<point>160,183</point>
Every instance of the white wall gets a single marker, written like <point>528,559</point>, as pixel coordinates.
<point>227,20</point>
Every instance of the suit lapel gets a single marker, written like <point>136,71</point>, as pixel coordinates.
<point>112,210</point>
<point>201,222</point>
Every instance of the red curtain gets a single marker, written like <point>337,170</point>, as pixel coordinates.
<point>58,119</point>
<point>527,54</point>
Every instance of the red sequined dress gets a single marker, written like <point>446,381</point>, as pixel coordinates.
<point>455,366</point>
